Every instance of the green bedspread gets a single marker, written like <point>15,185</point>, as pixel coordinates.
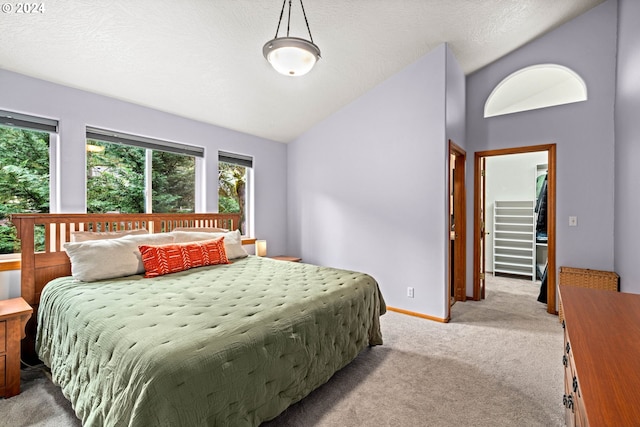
<point>221,345</point>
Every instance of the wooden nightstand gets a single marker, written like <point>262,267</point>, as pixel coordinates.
<point>14,314</point>
<point>286,258</point>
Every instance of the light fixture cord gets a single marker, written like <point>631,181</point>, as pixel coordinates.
<point>281,13</point>
<point>289,19</point>
<point>305,20</point>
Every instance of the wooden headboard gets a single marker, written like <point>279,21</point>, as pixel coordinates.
<point>38,267</point>
<point>43,261</point>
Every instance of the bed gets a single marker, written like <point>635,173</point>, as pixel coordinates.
<point>224,344</point>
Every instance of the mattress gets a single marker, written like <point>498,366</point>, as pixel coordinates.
<point>219,345</point>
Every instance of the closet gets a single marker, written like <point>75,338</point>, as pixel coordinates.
<point>516,201</point>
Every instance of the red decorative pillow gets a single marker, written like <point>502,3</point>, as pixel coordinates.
<point>171,258</point>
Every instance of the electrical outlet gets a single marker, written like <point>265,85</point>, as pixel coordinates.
<point>410,292</point>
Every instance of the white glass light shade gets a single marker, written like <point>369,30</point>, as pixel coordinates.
<point>261,247</point>
<point>291,56</point>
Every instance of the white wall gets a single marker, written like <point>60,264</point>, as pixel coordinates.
<point>367,186</point>
<point>9,284</point>
<point>76,109</point>
<point>627,195</point>
<point>510,177</point>
<point>583,132</point>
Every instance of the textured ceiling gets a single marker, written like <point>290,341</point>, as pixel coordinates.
<point>202,59</point>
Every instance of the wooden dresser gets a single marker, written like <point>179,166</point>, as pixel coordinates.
<point>601,357</point>
<point>14,314</point>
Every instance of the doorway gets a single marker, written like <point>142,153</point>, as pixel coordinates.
<point>457,226</point>
<point>480,221</point>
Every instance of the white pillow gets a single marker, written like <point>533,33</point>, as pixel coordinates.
<point>106,259</point>
<point>83,236</point>
<point>232,241</point>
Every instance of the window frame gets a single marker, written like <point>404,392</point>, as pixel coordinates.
<point>247,162</point>
<point>545,81</point>
<point>40,124</point>
<point>149,145</point>
<point>12,119</point>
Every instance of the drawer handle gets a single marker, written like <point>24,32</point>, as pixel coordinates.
<point>567,401</point>
<point>575,384</point>
<point>563,324</point>
<point>568,348</point>
<point>565,360</point>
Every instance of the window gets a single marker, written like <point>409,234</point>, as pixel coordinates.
<point>132,174</point>
<point>24,171</point>
<point>537,86</point>
<point>234,186</point>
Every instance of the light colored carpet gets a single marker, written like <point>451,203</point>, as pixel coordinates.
<point>40,403</point>
<point>497,363</point>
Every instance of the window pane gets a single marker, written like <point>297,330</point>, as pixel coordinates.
<point>173,182</point>
<point>24,179</point>
<point>232,185</point>
<point>115,178</point>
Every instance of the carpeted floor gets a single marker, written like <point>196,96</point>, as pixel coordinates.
<point>497,363</point>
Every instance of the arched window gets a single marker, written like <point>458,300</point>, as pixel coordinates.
<point>537,86</point>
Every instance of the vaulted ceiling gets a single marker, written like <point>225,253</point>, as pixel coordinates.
<point>202,59</point>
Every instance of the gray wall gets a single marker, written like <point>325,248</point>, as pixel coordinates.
<point>76,109</point>
<point>455,101</point>
<point>583,132</point>
<point>627,195</point>
<point>367,186</point>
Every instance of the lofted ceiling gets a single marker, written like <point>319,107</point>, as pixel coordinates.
<point>202,59</point>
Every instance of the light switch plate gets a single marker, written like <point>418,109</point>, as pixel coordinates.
<point>573,221</point>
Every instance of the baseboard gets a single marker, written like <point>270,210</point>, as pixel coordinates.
<point>415,314</point>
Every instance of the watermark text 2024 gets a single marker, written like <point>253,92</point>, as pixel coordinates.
<point>22,8</point>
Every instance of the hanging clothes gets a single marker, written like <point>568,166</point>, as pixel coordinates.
<point>541,210</point>
<point>542,296</point>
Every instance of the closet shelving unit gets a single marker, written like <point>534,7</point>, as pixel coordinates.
<point>514,239</point>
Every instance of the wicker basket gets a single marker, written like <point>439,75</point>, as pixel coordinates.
<point>585,278</point>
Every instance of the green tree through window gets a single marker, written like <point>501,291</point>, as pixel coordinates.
<point>115,179</point>
<point>173,182</point>
<point>24,179</point>
<point>232,185</point>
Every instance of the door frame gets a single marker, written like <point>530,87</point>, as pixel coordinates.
<point>551,217</point>
<point>459,278</point>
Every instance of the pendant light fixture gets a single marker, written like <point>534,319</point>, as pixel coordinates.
<point>291,56</point>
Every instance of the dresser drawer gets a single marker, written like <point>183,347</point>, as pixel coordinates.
<point>574,404</point>
<point>3,338</point>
